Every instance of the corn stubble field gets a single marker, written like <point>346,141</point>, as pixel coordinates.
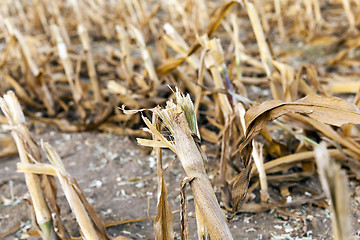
<point>179,119</point>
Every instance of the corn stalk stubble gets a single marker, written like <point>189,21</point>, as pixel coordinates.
<point>206,206</point>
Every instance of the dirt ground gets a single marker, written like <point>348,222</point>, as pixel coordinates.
<point>120,181</point>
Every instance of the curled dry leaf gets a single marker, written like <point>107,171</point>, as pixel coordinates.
<point>330,110</point>
<point>215,21</point>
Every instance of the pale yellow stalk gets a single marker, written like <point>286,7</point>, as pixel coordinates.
<point>349,14</point>
<point>85,40</point>
<point>123,37</point>
<point>66,62</point>
<point>257,155</point>
<point>145,54</point>
<point>87,229</point>
<point>27,148</point>
<point>181,121</point>
<point>280,21</point>
<point>214,61</point>
<point>265,54</point>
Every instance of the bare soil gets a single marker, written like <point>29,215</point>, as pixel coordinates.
<point>120,181</point>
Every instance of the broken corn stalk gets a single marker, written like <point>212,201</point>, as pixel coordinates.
<point>58,169</point>
<point>28,152</point>
<point>180,119</point>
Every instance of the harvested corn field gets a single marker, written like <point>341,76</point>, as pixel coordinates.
<point>131,119</point>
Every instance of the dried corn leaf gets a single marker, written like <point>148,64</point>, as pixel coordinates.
<point>240,187</point>
<point>214,24</point>
<point>164,219</point>
<point>330,110</point>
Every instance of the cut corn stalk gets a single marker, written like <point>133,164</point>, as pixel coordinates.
<point>90,224</point>
<point>214,61</point>
<point>265,54</point>
<point>145,54</point>
<point>85,40</point>
<point>349,15</point>
<point>317,11</point>
<point>238,46</point>
<point>280,21</point>
<point>28,151</point>
<point>123,37</point>
<point>69,71</point>
<point>181,121</point>
<point>87,229</point>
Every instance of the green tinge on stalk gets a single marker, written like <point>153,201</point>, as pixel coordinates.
<point>47,230</point>
<point>77,207</point>
<point>180,119</point>
<point>188,108</point>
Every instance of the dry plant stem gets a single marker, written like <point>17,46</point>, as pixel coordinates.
<point>336,187</point>
<point>212,61</point>
<point>75,5</point>
<point>265,54</point>
<point>178,9</point>
<point>125,47</point>
<point>200,14</point>
<point>164,218</point>
<point>184,212</point>
<point>193,164</point>
<point>310,16</point>
<point>64,57</point>
<point>22,14</point>
<point>349,15</point>
<point>133,15</point>
<point>139,10</point>
<point>27,54</point>
<point>60,22</point>
<point>236,42</point>
<point>224,170</point>
<point>280,21</point>
<point>71,195</point>
<point>260,6</point>
<point>259,162</point>
<point>85,40</point>
<point>69,71</point>
<point>200,82</point>
<point>146,55</point>
<point>175,41</point>
<point>9,47</point>
<point>317,11</point>
<point>12,110</point>
<point>39,9</point>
